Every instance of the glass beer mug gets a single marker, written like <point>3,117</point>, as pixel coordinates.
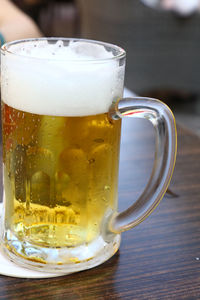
<point>61,116</point>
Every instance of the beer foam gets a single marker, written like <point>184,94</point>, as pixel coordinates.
<point>76,50</point>
<point>77,79</point>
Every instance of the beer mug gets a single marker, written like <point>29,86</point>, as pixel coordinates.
<point>62,105</point>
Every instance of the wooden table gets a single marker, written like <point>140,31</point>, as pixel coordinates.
<point>159,259</point>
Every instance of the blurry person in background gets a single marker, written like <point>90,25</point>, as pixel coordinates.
<point>183,8</point>
<point>54,17</point>
<point>15,24</point>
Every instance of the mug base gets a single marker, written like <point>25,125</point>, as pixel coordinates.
<point>65,260</point>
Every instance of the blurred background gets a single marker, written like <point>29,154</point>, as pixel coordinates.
<point>161,37</point>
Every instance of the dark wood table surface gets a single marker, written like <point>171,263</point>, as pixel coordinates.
<point>159,259</point>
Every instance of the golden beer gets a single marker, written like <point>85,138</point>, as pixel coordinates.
<point>60,152</point>
<point>60,177</point>
<point>61,104</point>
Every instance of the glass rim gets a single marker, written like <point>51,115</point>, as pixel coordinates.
<point>5,49</point>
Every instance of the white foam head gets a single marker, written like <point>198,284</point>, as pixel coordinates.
<point>77,79</point>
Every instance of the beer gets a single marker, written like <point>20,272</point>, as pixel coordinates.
<point>60,175</point>
<point>60,151</point>
<point>61,104</point>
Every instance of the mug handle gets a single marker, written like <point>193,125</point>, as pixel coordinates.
<point>164,124</point>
